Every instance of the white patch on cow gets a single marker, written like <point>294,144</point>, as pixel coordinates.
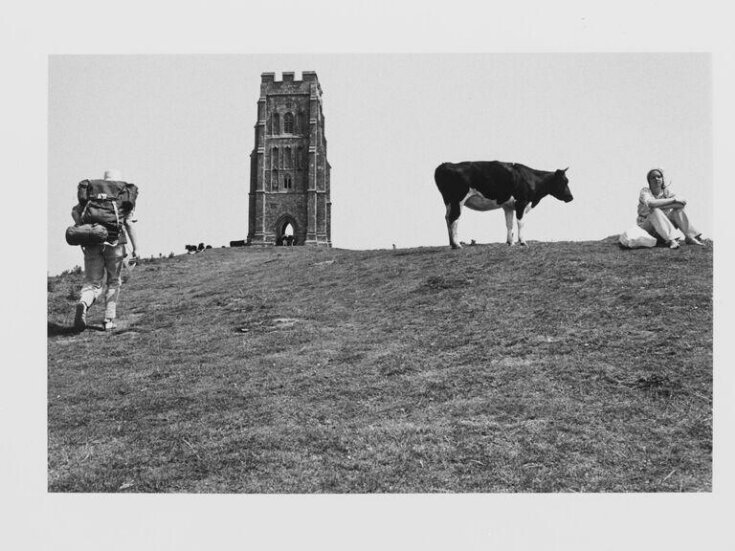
<point>521,222</point>
<point>452,227</point>
<point>477,201</point>
<point>509,213</point>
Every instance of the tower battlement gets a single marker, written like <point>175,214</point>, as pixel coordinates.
<point>288,81</point>
<point>288,76</point>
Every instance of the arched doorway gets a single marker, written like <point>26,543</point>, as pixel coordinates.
<point>286,231</point>
<point>287,235</point>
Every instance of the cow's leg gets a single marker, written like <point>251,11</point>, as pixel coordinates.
<point>452,217</point>
<point>521,215</point>
<point>508,224</point>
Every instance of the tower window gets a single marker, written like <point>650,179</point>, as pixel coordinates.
<point>287,182</point>
<point>288,123</point>
<point>276,122</point>
<point>287,161</point>
<point>274,158</point>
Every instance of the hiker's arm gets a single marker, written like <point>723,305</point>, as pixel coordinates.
<point>76,214</point>
<point>130,230</point>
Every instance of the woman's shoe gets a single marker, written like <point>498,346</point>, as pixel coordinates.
<point>109,325</point>
<point>694,241</point>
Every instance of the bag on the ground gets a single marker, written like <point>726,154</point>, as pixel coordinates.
<point>636,237</point>
<point>86,235</point>
<point>105,203</point>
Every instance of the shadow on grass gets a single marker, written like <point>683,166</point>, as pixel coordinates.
<point>58,330</point>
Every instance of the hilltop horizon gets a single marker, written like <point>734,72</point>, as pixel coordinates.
<point>172,254</point>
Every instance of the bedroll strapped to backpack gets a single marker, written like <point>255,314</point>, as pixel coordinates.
<point>86,235</point>
<point>106,202</point>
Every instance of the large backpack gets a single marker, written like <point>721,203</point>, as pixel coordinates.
<point>106,202</point>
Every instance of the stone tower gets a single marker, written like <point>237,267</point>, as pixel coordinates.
<point>289,172</point>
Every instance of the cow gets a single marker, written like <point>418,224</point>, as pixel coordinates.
<point>190,249</point>
<point>240,243</point>
<point>489,185</point>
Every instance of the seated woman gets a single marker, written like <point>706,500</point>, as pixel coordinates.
<point>660,212</point>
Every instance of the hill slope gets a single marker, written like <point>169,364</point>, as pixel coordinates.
<point>560,367</point>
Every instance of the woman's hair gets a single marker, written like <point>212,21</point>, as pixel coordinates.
<point>652,171</point>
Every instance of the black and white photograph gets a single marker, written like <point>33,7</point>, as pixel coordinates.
<point>306,319</point>
<point>436,296</point>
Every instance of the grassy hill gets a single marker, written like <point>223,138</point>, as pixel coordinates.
<point>562,367</point>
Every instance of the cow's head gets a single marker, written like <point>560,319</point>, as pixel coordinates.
<point>560,186</point>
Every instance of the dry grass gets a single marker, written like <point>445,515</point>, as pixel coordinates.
<point>564,367</point>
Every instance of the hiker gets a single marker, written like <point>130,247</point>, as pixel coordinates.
<point>105,258</point>
<point>661,212</point>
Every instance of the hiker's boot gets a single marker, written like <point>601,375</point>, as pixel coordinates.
<point>109,325</point>
<point>673,244</point>
<point>80,319</point>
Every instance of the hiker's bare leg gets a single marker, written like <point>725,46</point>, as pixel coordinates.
<point>113,265</point>
<point>94,273</point>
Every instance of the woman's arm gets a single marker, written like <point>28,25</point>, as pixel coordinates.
<point>668,202</point>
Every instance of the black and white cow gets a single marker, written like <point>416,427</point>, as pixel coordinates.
<point>489,185</point>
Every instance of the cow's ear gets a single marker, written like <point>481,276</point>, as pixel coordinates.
<point>565,170</point>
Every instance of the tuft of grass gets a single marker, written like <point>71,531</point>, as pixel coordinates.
<point>564,367</point>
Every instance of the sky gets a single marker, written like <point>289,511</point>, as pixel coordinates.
<point>181,127</point>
